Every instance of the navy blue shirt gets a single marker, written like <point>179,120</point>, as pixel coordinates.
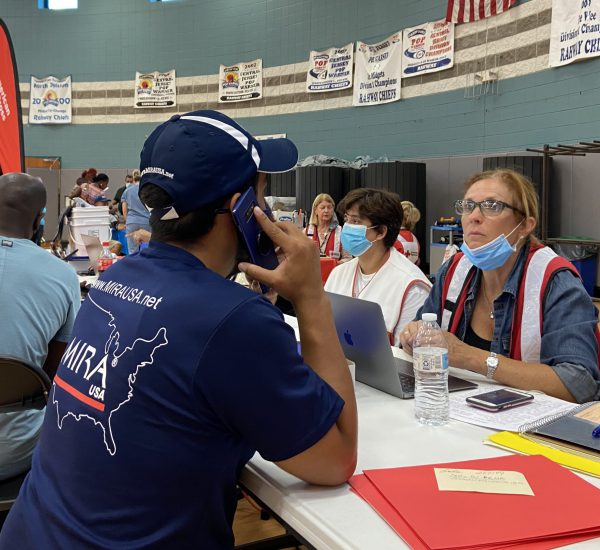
<point>173,378</point>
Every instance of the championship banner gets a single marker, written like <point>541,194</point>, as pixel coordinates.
<point>330,70</point>
<point>155,90</point>
<point>50,100</point>
<point>574,32</point>
<point>427,48</point>
<point>378,72</point>
<point>240,82</point>
<point>12,157</point>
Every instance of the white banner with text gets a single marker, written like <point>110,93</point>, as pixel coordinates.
<point>50,100</point>
<point>378,72</point>
<point>330,70</point>
<point>155,90</point>
<point>428,48</point>
<point>574,32</point>
<point>240,82</point>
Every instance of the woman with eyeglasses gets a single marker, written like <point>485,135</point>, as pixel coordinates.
<point>379,273</point>
<point>514,310</point>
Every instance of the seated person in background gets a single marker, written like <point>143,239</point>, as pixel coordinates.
<point>142,446</point>
<point>94,192</point>
<point>515,311</point>
<point>407,243</point>
<point>39,297</point>
<point>324,228</point>
<point>379,273</point>
<point>136,214</point>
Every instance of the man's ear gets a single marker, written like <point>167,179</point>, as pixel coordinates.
<point>230,203</point>
<point>37,222</point>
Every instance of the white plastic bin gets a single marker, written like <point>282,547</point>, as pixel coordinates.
<point>93,221</point>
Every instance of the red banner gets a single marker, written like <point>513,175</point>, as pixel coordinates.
<point>11,125</point>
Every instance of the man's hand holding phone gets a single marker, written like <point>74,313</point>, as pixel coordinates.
<point>298,275</point>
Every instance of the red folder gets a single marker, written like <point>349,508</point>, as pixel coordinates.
<point>564,510</point>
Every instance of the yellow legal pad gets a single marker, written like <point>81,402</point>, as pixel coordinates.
<point>516,442</point>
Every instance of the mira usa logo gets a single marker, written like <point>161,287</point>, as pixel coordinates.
<point>157,170</point>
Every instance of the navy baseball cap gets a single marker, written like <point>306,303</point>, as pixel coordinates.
<point>202,156</point>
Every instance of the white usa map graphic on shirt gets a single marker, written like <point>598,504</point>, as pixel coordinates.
<point>94,369</point>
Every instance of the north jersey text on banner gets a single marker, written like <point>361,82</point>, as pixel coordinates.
<point>50,100</point>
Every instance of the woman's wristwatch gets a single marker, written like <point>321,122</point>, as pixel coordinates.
<point>492,364</point>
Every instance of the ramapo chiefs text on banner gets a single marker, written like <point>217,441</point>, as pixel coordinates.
<point>11,126</point>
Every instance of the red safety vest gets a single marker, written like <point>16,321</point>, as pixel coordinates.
<point>541,265</point>
<point>408,245</point>
<point>332,248</point>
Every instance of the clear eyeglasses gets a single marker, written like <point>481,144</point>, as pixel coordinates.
<point>489,207</point>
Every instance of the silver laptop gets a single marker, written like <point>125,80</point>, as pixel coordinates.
<point>93,247</point>
<point>363,335</point>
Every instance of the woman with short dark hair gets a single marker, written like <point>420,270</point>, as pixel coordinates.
<point>379,273</point>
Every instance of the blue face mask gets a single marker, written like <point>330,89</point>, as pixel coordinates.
<point>493,254</point>
<point>354,238</point>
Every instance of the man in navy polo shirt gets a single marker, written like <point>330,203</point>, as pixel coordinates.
<point>175,375</point>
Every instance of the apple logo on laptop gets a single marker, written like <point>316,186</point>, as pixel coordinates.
<point>348,338</point>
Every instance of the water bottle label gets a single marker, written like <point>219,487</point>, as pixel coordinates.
<point>430,360</point>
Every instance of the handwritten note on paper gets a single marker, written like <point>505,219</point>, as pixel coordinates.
<point>482,481</point>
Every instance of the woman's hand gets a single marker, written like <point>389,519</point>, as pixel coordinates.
<point>457,351</point>
<point>407,336</point>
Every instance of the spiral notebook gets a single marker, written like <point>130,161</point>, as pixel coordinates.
<point>570,432</point>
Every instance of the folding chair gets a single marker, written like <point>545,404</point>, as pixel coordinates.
<point>21,387</point>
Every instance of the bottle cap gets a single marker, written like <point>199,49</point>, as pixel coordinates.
<point>429,316</point>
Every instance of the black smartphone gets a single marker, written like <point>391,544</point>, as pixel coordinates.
<point>259,245</point>
<point>499,400</point>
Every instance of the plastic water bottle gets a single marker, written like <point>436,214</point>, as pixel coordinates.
<point>105,260</point>
<point>430,361</point>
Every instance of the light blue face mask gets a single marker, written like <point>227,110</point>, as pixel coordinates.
<point>493,254</point>
<point>354,238</point>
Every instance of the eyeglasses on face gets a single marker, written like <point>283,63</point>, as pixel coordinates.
<point>489,207</point>
<point>355,220</point>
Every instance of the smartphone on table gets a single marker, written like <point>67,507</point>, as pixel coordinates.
<point>259,245</point>
<point>499,400</point>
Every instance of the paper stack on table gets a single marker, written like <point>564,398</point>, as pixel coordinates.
<point>563,509</point>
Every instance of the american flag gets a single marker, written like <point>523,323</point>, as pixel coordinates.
<point>465,11</point>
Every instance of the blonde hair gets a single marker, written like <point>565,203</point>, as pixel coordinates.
<point>525,197</point>
<point>411,215</point>
<point>322,197</point>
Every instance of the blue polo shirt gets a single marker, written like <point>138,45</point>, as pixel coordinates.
<point>136,211</point>
<point>39,298</point>
<point>174,377</point>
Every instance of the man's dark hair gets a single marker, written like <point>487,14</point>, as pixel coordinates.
<point>189,227</point>
<point>382,208</point>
